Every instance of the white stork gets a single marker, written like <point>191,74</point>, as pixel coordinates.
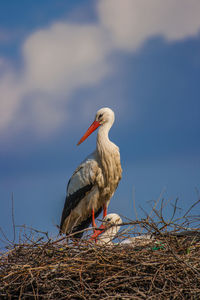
<point>94,182</point>
<point>109,229</point>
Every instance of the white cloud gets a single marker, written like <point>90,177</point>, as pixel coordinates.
<point>132,22</point>
<point>64,57</point>
<point>11,92</point>
<point>57,61</point>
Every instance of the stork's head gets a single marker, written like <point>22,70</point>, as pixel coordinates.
<point>108,229</point>
<point>111,219</point>
<point>103,116</point>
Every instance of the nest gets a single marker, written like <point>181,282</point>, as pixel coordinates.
<point>167,267</point>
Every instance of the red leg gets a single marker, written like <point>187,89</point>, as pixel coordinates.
<point>104,210</point>
<point>93,223</point>
<point>93,220</point>
<point>99,231</point>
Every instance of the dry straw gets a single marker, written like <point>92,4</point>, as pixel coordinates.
<point>166,268</point>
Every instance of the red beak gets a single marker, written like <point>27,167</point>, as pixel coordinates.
<point>98,232</point>
<point>92,128</point>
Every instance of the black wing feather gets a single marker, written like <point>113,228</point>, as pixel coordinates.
<point>85,224</point>
<point>72,201</point>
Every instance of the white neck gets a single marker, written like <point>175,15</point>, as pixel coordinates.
<point>109,159</point>
<point>103,140</point>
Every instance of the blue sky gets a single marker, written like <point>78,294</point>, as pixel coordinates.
<point>60,61</point>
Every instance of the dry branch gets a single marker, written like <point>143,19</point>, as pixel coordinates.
<point>166,268</point>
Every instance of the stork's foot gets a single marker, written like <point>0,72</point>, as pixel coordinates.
<point>93,236</point>
<point>97,231</point>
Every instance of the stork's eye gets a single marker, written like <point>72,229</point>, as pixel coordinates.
<point>100,116</point>
<point>108,219</point>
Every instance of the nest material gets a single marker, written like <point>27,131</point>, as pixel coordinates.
<point>167,268</point>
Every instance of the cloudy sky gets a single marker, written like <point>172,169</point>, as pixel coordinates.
<point>60,61</point>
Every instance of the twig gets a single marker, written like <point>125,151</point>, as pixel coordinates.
<point>13,218</point>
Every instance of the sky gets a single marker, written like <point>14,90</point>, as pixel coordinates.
<point>61,61</point>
